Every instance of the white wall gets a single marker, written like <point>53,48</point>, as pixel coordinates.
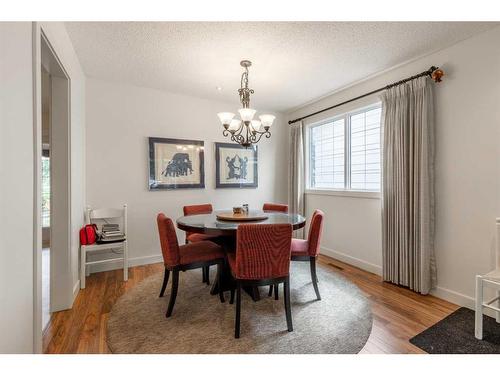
<point>120,118</point>
<point>19,284</point>
<point>467,168</point>
<point>16,188</point>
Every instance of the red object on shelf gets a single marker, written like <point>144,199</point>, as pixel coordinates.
<point>88,234</point>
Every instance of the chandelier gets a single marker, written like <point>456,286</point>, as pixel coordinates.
<point>245,131</point>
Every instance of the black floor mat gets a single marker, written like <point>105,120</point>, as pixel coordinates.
<point>455,335</point>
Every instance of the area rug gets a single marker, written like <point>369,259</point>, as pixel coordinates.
<point>340,323</point>
<point>455,335</point>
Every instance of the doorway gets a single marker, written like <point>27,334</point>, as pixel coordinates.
<point>45,198</point>
<point>54,189</point>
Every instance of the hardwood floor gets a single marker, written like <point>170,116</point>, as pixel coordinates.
<point>398,313</point>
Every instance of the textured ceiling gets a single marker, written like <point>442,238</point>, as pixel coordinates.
<point>293,62</point>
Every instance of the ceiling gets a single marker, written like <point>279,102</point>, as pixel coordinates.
<point>293,62</point>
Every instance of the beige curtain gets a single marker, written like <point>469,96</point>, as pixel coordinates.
<point>296,174</point>
<point>408,186</point>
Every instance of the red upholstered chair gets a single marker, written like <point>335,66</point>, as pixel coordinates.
<point>275,207</point>
<point>186,257</point>
<point>199,209</point>
<point>307,250</point>
<point>262,258</point>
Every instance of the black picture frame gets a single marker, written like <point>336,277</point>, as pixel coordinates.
<point>155,183</point>
<point>219,169</point>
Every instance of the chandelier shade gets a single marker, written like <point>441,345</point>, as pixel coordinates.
<point>225,117</point>
<point>267,120</point>
<point>245,131</point>
<point>246,114</point>
<point>256,125</point>
<point>234,125</point>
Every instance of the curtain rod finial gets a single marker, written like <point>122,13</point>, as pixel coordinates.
<point>436,74</point>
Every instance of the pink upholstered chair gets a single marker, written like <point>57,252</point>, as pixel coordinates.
<point>186,257</point>
<point>307,250</point>
<point>199,209</point>
<point>262,258</point>
<point>275,207</point>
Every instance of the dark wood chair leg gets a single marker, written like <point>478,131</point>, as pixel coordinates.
<point>165,282</point>
<point>204,273</point>
<point>207,274</point>
<point>314,277</point>
<point>270,291</point>
<point>173,294</point>
<point>255,294</point>
<point>238,312</point>
<point>218,278</point>
<point>276,290</point>
<point>231,300</point>
<point>288,308</point>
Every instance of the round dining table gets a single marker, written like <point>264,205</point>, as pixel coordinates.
<point>226,232</point>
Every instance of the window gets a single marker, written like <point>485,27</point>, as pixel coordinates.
<point>344,152</point>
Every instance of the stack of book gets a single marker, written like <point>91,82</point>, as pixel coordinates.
<point>111,233</point>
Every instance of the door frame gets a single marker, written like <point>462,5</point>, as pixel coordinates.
<point>65,296</point>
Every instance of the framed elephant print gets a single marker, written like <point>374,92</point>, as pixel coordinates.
<point>176,164</point>
<point>235,166</point>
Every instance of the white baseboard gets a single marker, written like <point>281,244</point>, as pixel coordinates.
<point>76,289</point>
<point>364,265</point>
<point>458,299</point>
<point>453,297</point>
<point>132,262</point>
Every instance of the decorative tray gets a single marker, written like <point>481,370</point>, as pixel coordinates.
<point>229,216</point>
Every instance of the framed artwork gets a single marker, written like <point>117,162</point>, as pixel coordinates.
<point>176,164</point>
<point>235,166</point>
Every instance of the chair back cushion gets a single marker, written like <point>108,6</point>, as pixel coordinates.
<point>263,251</point>
<point>197,209</point>
<point>275,207</point>
<point>168,241</point>
<point>315,229</point>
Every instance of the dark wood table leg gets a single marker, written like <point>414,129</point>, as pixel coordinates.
<point>253,291</point>
<point>228,244</point>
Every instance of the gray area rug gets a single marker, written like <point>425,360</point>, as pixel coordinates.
<point>455,335</point>
<point>340,323</point>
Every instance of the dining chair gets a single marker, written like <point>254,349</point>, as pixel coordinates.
<point>307,251</point>
<point>185,257</point>
<point>199,209</point>
<point>262,258</point>
<point>275,207</point>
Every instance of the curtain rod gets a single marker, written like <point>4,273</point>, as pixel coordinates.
<point>434,72</point>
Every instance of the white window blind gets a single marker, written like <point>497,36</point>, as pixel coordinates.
<point>365,150</point>
<point>327,155</point>
<point>344,153</point>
